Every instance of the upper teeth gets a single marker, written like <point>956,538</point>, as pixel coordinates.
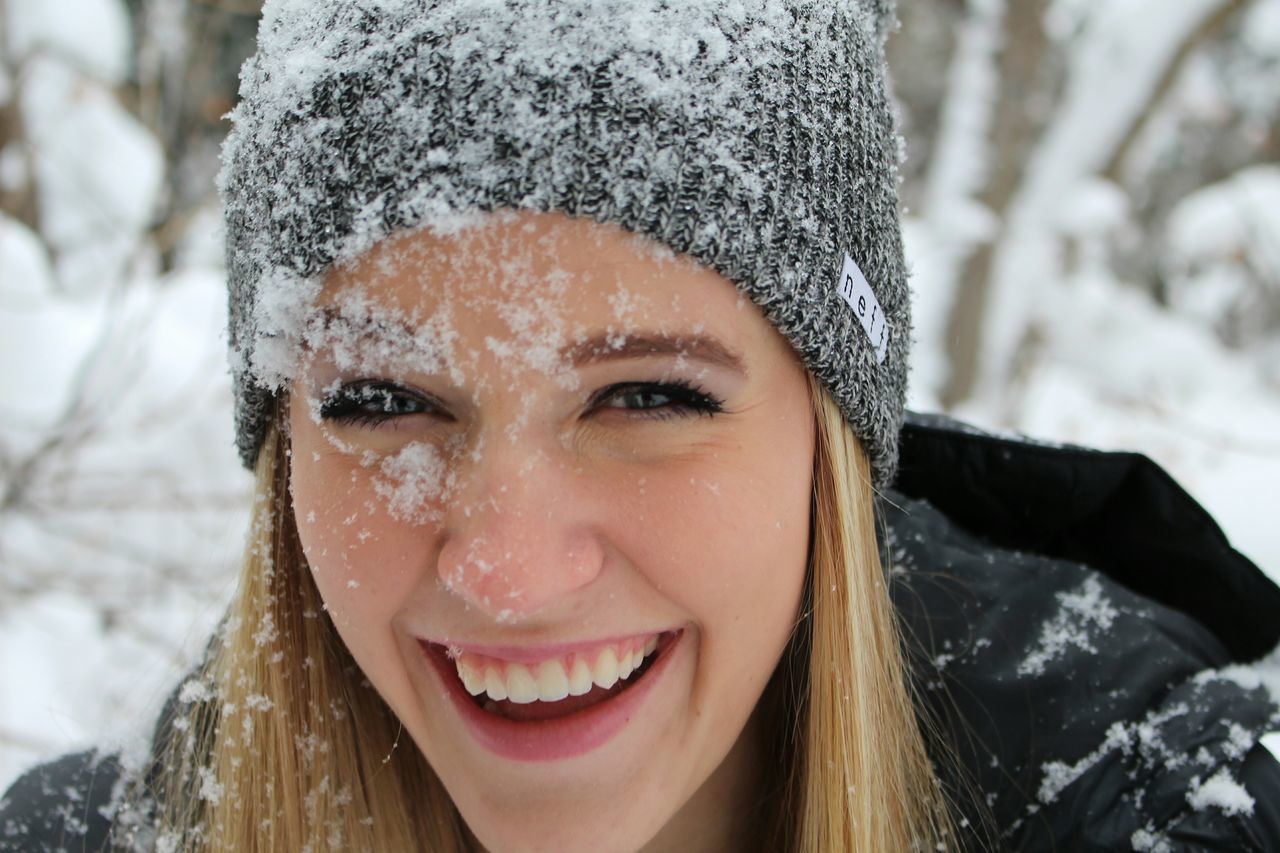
<point>554,679</point>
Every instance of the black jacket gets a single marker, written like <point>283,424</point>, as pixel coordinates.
<point>1077,617</point>
<point>1077,625</point>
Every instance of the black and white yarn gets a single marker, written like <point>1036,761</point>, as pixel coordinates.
<point>750,135</point>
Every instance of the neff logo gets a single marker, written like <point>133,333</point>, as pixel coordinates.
<point>855,290</point>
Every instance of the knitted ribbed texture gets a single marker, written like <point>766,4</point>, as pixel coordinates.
<point>754,137</point>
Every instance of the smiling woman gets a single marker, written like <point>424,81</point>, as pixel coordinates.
<point>570,342</point>
<point>606,534</point>
<point>569,568</point>
<point>566,436</point>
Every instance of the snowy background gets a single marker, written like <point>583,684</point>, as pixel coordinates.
<point>1093,195</point>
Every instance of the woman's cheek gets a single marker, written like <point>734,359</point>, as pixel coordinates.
<point>721,535</point>
<point>360,557</point>
<point>735,534</point>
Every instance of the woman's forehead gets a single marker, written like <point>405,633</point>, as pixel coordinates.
<point>545,279</point>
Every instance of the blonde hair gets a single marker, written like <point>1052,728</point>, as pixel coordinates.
<point>862,779</point>
<point>281,744</point>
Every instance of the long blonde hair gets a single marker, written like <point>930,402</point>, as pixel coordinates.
<point>281,744</point>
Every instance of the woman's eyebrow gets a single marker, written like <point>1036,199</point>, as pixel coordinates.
<point>609,347</point>
<point>366,326</point>
<point>596,349</point>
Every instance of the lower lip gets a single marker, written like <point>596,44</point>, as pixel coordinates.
<point>554,739</point>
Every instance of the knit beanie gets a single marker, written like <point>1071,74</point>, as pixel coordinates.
<point>753,136</point>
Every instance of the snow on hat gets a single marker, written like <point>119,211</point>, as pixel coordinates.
<point>754,136</point>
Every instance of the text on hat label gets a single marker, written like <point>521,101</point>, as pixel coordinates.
<point>855,290</point>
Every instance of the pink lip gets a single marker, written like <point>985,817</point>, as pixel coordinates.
<point>555,739</point>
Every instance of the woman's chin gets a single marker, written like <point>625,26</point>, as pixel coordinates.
<point>566,827</point>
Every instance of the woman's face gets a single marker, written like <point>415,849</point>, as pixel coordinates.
<point>529,458</point>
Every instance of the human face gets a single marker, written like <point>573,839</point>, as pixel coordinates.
<point>530,446</point>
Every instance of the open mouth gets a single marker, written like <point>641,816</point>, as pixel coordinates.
<point>554,707</point>
<point>556,687</point>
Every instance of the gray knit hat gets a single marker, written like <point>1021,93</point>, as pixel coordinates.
<point>754,136</point>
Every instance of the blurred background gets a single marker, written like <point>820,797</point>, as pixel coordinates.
<point>1092,194</point>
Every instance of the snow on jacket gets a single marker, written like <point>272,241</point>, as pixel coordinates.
<point>1081,633</point>
<point>1080,625</point>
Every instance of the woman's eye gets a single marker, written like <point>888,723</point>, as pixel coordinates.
<point>658,399</point>
<point>373,403</point>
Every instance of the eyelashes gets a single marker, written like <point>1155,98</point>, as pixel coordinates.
<point>660,400</point>
<point>374,403</point>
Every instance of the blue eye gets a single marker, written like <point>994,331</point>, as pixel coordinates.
<point>658,399</point>
<point>372,403</point>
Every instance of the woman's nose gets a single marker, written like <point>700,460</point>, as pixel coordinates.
<point>518,538</point>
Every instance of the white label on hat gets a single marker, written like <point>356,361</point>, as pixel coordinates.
<point>853,288</point>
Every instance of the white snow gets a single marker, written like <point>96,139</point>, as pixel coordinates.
<point>1228,216</point>
<point>1221,238</point>
<point>1083,617</point>
<point>1271,741</point>
<point>1261,28</point>
<point>1264,672</point>
<point>652,44</point>
<point>90,35</point>
<point>1069,350</point>
<point>413,480</point>
<point>48,334</point>
<point>1148,840</point>
<point>1117,372</point>
<point>1121,736</point>
<point>28,275</point>
<point>92,208</point>
<point>1058,774</point>
<point>194,691</point>
<point>1220,791</point>
<point>1117,56</point>
<point>960,165</point>
<point>120,535</point>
